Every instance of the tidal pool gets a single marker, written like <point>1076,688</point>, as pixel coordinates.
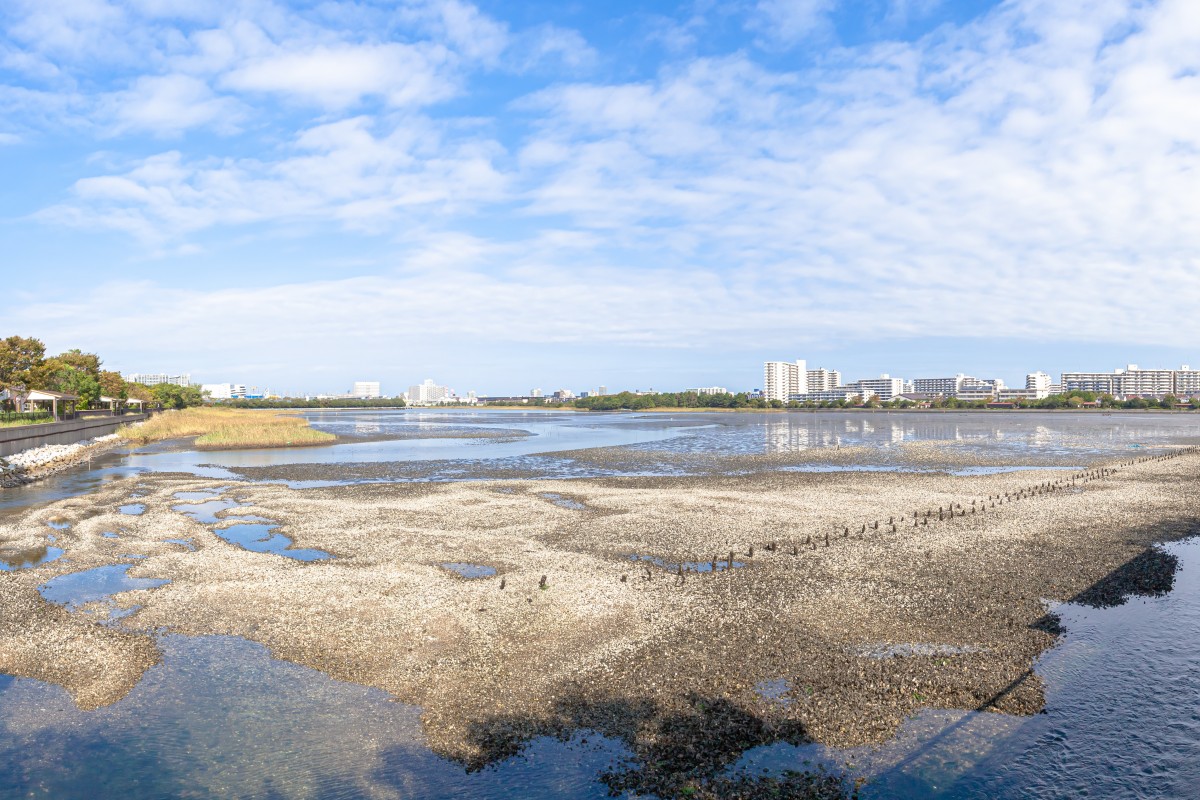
<point>1121,717</point>
<point>220,718</point>
<point>98,584</point>
<point>27,559</point>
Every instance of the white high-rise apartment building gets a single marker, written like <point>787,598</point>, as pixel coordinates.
<point>1135,382</point>
<point>224,391</point>
<point>946,387</point>
<point>885,387</point>
<point>366,389</point>
<point>427,392</point>
<point>782,379</point>
<point>823,380</point>
<point>153,379</point>
<point>1039,383</point>
<point>709,390</point>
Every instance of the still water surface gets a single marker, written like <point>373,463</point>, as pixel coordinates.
<point>219,717</point>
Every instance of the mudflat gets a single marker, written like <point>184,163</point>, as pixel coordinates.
<point>693,617</point>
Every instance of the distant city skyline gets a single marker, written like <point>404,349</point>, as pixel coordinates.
<point>633,194</point>
<point>401,386</point>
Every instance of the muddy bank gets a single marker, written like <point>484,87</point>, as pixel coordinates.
<point>857,598</point>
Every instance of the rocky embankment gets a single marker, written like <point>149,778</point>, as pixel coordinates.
<point>38,462</point>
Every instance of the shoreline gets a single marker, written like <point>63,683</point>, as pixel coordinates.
<point>665,662</point>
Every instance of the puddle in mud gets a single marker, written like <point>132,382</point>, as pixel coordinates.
<point>259,538</point>
<point>206,513</point>
<point>96,585</point>
<point>774,690</point>
<point>188,543</point>
<point>110,535</point>
<point>563,502</point>
<point>133,509</point>
<point>248,532</point>
<point>470,570</point>
<point>59,526</point>
<point>27,559</point>
<point>919,649</point>
<point>202,494</point>
<point>720,565</point>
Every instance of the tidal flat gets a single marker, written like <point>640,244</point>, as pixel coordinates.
<point>857,600</point>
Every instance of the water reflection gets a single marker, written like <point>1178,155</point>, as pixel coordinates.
<point>220,718</point>
<point>1121,718</point>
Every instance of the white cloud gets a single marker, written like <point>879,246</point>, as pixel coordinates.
<point>1031,173</point>
<point>340,76</point>
<point>789,21</point>
<point>552,46</point>
<point>344,172</point>
<point>462,26</point>
<point>168,105</point>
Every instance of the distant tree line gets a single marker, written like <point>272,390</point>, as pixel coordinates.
<point>24,367</point>
<point>638,402</point>
<point>288,402</point>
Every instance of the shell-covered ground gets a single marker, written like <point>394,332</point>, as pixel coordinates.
<point>856,598</point>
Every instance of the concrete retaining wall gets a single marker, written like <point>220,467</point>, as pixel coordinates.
<point>23,437</point>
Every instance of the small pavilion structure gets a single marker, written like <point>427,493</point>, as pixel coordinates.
<point>116,402</point>
<point>55,400</point>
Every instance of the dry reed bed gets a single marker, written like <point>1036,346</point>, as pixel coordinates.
<point>667,662</point>
<point>224,428</point>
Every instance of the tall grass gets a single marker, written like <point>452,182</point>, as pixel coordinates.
<point>222,428</point>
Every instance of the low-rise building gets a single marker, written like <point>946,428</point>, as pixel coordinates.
<point>709,390</point>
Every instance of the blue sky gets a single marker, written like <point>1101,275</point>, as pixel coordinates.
<point>505,195</point>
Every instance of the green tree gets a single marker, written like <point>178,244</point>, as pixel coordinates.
<point>168,395</point>
<point>113,385</point>
<point>84,362</point>
<point>21,362</point>
<point>77,382</point>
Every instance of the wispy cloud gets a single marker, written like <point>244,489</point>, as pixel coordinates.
<point>1030,173</point>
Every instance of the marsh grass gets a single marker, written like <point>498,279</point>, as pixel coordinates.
<point>223,428</point>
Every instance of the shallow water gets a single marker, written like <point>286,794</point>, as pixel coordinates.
<point>98,584</point>
<point>1122,717</point>
<point>718,565</point>
<point>1122,688</point>
<point>470,571</point>
<point>260,537</point>
<point>220,718</point>
<point>28,559</point>
<point>248,532</point>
